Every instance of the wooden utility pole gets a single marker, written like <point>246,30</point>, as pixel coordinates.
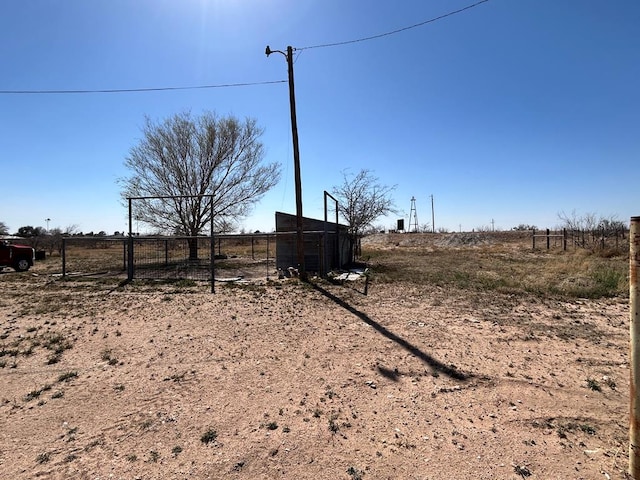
<point>296,160</point>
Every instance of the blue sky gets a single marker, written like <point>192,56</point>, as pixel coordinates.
<point>511,111</point>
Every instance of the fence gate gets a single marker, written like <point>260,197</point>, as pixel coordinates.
<point>151,255</point>
<point>170,258</point>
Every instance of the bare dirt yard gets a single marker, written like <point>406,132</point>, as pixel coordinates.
<point>469,358</point>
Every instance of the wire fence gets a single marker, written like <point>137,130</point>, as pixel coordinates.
<point>171,258</point>
<point>248,256</point>
<point>234,256</point>
<point>599,238</point>
<point>94,256</point>
<point>595,239</point>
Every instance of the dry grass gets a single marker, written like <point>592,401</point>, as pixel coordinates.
<point>503,263</point>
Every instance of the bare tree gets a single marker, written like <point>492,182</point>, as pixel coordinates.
<point>589,230</point>
<point>71,230</point>
<point>573,221</point>
<point>215,164</point>
<point>4,230</point>
<point>52,240</point>
<point>362,200</point>
<point>612,226</point>
<point>373,229</point>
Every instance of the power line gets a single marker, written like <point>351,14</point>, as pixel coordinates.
<point>135,90</point>
<point>231,85</point>
<point>373,37</point>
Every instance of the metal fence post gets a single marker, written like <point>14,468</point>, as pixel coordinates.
<point>267,257</point>
<point>634,330</point>
<point>325,260</point>
<point>64,257</point>
<point>124,255</point>
<point>212,250</point>
<point>130,245</point>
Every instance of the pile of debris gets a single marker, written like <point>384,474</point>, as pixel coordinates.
<point>350,275</point>
<point>464,239</point>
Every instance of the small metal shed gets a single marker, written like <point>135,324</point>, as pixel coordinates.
<point>326,244</point>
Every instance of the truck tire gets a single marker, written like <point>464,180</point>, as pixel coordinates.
<point>21,265</point>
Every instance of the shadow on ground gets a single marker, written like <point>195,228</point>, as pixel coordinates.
<point>450,371</point>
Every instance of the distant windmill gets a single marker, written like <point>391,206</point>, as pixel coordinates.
<point>413,216</point>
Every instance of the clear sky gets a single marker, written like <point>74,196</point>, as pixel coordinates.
<point>511,111</point>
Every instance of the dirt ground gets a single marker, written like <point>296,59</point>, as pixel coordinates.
<point>282,379</point>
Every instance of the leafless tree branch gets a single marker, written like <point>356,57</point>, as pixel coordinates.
<point>206,159</point>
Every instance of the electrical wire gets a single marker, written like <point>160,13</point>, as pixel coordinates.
<point>230,85</point>
<point>135,90</point>
<point>373,37</point>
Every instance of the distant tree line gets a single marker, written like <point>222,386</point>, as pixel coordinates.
<point>50,240</point>
<point>523,227</point>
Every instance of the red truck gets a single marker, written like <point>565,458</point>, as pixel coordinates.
<point>18,257</point>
